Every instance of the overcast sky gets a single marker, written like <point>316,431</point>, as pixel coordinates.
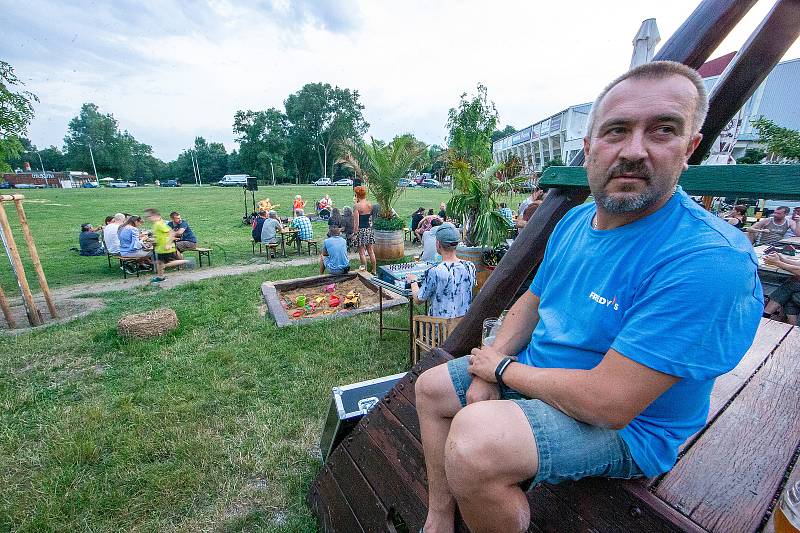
<point>170,70</point>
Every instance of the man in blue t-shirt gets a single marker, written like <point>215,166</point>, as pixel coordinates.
<point>334,253</point>
<point>608,361</point>
<point>185,236</point>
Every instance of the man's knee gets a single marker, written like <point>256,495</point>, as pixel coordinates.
<point>434,388</point>
<point>488,442</point>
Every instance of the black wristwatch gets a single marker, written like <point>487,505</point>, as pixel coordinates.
<point>501,368</point>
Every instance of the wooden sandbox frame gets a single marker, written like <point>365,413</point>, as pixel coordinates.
<point>270,292</point>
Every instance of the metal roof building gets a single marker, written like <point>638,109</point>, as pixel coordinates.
<point>561,135</point>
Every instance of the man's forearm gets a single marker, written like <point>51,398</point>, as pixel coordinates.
<point>789,267</point>
<point>572,392</point>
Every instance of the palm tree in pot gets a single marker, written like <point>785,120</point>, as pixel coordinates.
<point>384,165</point>
<point>475,203</point>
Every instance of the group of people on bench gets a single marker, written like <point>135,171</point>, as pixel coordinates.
<point>122,235</point>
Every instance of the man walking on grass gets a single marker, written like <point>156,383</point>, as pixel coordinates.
<point>167,254</point>
<point>605,366</point>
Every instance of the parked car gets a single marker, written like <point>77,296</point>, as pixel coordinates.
<point>171,183</point>
<point>431,184</point>
<point>119,184</point>
<point>233,180</point>
<point>28,186</point>
<point>89,185</point>
<point>344,182</point>
<point>405,182</point>
<point>323,181</point>
<point>5,185</point>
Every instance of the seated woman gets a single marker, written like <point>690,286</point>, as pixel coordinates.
<point>89,240</point>
<point>736,216</point>
<point>131,241</point>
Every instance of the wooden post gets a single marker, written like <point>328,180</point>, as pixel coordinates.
<point>6,310</point>
<point>37,265</point>
<point>34,317</point>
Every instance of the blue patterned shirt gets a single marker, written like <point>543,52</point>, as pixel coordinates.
<point>507,214</point>
<point>448,287</point>
<point>304,225</point>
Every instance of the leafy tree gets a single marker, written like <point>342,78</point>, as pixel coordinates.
<point>320,118</point>
<point>470,127</point>
<point>263,141</point>
<point>424,161</point>
<point>111,148</point>
<point>52,158</point>
<point>234,163</point>
<point>780,142</point>
<point>505,132</point>
<point>212,159</point>
<point>752,156</point>
<point>16,112</point>
<point>437,158</point>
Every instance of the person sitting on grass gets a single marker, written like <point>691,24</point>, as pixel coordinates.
<point>131,243</point>
<point>303,225</point>
<point>334,253</point>
<point>89,240</point>
<point>448,285</point>
<point>429,241</point>
<point>185,239</point>
<point>167,254</point>
<point>425,223</point>
<point>258,224</point>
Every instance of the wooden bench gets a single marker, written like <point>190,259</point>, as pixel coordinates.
<point>109,255</point>
<point>129,262</point>
<point>727,477</point>
<point>202,252</point>
<point>309,243</point>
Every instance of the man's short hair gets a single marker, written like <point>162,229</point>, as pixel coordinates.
<point>656,70</point>
<point>785,209</point>
<point>335,230</point>
<point>120,218</point>
<point>436,222</point>
<point>273,214</point>
<point>151,212</point>
<point>262,213</point>
<point>174,214</point>
<point>86,227</point>
<point>109,219</point>
<point>300,213</point>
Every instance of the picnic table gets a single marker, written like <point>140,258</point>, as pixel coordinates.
<point>727,477</point>
<point>790,240</point>
<point>289,236</point>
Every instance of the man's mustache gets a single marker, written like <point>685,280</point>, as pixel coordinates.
<point>637,168</point>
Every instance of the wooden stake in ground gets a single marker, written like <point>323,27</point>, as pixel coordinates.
<point>6,310</point>
<point>34,317</point>
<point>37,265</point>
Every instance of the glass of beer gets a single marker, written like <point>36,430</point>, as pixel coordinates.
<point>787,513</point>
<point>489,332</point>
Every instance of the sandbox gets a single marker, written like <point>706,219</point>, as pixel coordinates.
<point>281,297</point>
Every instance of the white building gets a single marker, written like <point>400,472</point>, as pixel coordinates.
<point>561,135</point>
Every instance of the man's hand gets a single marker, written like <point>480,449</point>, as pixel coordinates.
<point>411,278</point>
<point>772,259</point>
<point>479,391</point>
<point>483,362</point>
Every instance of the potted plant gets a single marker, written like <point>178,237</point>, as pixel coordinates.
<point>475,203</point>
<point>384,165</point>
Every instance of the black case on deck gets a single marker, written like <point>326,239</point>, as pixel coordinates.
<point>348,404</point>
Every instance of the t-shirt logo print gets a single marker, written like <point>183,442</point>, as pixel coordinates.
<point>608,302</point>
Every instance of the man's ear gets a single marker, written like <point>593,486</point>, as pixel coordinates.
<point>694,142</point>
<point>586,146</point>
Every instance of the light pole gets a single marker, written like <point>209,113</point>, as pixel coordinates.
<point>325,156</point>
<point>96,177</point>
<point>272,169</point>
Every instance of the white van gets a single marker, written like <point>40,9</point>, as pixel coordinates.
<point>233,180</point>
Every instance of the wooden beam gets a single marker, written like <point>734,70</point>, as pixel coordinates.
<point>751,181</point>
<point>34,317</point>
<point>37,264</point>
<point>7,310</point>
<point>762,51</point>
<point>11,197</point>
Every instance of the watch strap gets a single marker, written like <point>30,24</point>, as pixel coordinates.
<point>501,368</point>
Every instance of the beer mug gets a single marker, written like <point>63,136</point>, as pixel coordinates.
<point>787,513</point>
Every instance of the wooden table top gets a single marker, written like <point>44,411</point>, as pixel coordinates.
<point>765,267</point>
<point>790,240</point>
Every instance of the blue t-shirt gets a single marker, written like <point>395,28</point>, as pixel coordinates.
<point>337,259</point>
<point>188,234</point>
<point>676,291</point>
<point>129,240</point>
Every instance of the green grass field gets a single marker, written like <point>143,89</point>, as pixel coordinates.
<point>214,427</point>
<point>214,213</point>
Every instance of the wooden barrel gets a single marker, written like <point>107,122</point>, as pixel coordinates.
<point>389,244</point>
<point>474,254</point>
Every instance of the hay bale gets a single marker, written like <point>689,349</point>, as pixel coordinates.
<point>146,325</point>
